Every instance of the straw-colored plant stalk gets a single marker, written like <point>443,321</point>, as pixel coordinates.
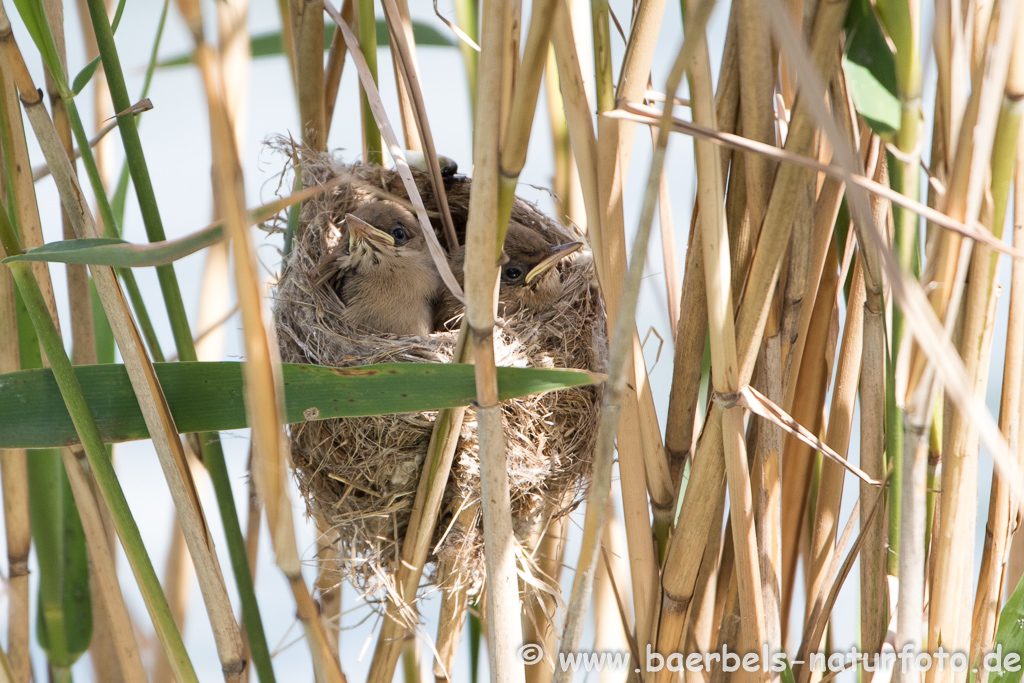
<point>262,368</point>
<point>483,245</point>
<point>14,473</point>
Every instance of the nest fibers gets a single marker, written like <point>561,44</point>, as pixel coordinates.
<point>359,475</point>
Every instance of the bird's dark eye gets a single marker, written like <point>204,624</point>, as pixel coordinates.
<point>513,272</point>
<point>399,234</point>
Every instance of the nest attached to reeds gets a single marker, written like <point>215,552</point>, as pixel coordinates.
<point>359,476</point>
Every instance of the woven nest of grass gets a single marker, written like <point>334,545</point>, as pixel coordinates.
<point>359,475</point>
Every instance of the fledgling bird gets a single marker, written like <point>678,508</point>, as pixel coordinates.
<point>529,279</point>
<point>384,275</point>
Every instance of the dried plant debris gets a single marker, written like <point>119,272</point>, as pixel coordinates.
<point>359,475</point>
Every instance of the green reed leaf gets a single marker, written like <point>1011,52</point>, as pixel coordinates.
<point>207,397</point>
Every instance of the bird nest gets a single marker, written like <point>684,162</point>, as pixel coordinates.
<point>359,476</point>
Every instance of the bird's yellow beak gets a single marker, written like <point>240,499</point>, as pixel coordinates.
<point>557,254</point>
<point>359,230</point>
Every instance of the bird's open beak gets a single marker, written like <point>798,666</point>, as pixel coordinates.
<point>557,254</point>
<point>359,230</point>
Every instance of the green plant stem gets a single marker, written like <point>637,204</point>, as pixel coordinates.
<point>467,14</point>
<point>893,456</point>
<point>103,469</point>
<point>213,458</point>
<point>603,56</point>
<point>367,24</point>
<point>121,190</point>
<point>903,28</point>
<point>137,166</point>
<point>293,216</point>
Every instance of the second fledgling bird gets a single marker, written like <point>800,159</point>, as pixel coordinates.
<point>384,274</point>
<point>529,279</point>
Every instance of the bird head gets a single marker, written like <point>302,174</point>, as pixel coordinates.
<point>529,278</point>
<point>382,227</point>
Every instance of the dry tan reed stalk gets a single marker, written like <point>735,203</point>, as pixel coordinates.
<point>25,208</point>
<point>767,441</point>
<point>947,42</point>
<point>103,567</point>
<point>234,54</point>
<point>701,630</point>
<point>643,465</point>
<point>964,194</point>
<point>993,572</point>
<point>262,366</point>
<point>336,65</point>
<point>742,232</point>
<point>539,626</point>
<point>926,330</point>
<point>306,21</point>
<point>724,365</point>
<point>429,495</point>
<point>830,487</point>
<point>757,71</point>
<point>18,533</point>
<point>540,608</point>
<point>873,604</point>
<point>79,297</point>
<point>797,318</point>
<point>482,251</point>
<point>669,257</point>
<point>688,355</point>
<point>579,123</point>
<point>454,603</point>
<point>837,577</point>
<point>512,25</point>
<point>523,107</point>
<point>328,586</point>
<point>617,399</point>
<point>410,123</point>
<point>812,387</point>
<point>1001,505</point>
<point>960,450</point>
<point>616,632</point>
<point>707,475</point>
<point>565,176</point>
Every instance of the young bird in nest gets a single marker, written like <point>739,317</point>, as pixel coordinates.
<point>529,279</point>
<point>384,275</point>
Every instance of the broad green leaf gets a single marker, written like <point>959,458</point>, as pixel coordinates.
<point>64,616</point>
<point>871,69</point>
<point>85,75</point>
<point>1009,644</point>
<point>271,44</point>
<point>207,397</point>
<point>108,251</point>
<point>787,674</point>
